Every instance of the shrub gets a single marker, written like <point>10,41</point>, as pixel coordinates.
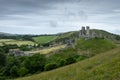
<point>13,71</point>
<point>81,57</point>
<point>2,78</point>
<point>35,63</point>
<point>70,60</point>
<point>50,66</point>
<point>2,59</point>
<point>22,71</point>
<point>61,62</point>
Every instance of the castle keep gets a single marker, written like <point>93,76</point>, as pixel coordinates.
<point>86,33</point>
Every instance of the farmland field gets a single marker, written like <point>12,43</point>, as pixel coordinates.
<point>47,50</point>
<point>18,42</point>
<point>44,39</point>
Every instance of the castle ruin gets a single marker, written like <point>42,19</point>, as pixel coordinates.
<point>86,33</point>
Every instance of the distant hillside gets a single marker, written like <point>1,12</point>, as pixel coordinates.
<point>6,34</point>
<point>16,36</point>
<point>104,66</point>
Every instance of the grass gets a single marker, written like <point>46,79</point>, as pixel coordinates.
<point>104,66</point>
<point>47,50</point>
<point>44,39</point>
<point>18,42</point>
<point>94,46</point>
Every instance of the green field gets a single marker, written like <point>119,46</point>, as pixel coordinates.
<point>44,39</point>
<point>18,42</point>
<point>104,66</point>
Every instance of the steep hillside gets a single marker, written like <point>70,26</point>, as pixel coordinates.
<point>83,49</point>
<point>104,66</point>
<point>86,48</point>
<point>91,47</point>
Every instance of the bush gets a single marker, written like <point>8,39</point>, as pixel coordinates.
<point>25,47</point>
<point>61,62</point>
<point>22,71</point>
<point>13,71</point>
<point>35,63</point>
<point>70,60</point>
<point>81,57</point>
<point>50,66</point>
<point>2,78</point>
<point>2,59</point>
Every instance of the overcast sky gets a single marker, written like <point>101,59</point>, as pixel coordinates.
<point>54,16</point>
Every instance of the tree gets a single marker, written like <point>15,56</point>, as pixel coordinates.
<point>70,60</point>
<point>50,66</point>
<point>22,71</point>
<point>35,63</point>
<point>2,59</point>
<point>13,71</point>
<point>61,62</point>
<point>2,78</point>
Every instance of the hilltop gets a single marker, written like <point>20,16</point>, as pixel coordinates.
<point>75,35</point>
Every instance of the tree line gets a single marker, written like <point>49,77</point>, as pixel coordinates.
<point>12,67</point>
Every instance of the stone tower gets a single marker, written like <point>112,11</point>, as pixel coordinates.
<point>82,32</point>
<point>87,32</point>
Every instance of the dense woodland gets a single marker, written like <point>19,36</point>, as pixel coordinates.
<point>11,66</point>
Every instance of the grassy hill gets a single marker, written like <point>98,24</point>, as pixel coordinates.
<point>97,67</point>
<point>83,49</point>
<point>65,36</point>
<point>91,47</point>
<point>75,34</point>
<point>104,66</point>
<point>88,48</point>
<point>44,39</point>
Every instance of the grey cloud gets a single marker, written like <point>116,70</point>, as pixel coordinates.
<point>22,7</point>
<point>57,13</point>
<point>53,24</point>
